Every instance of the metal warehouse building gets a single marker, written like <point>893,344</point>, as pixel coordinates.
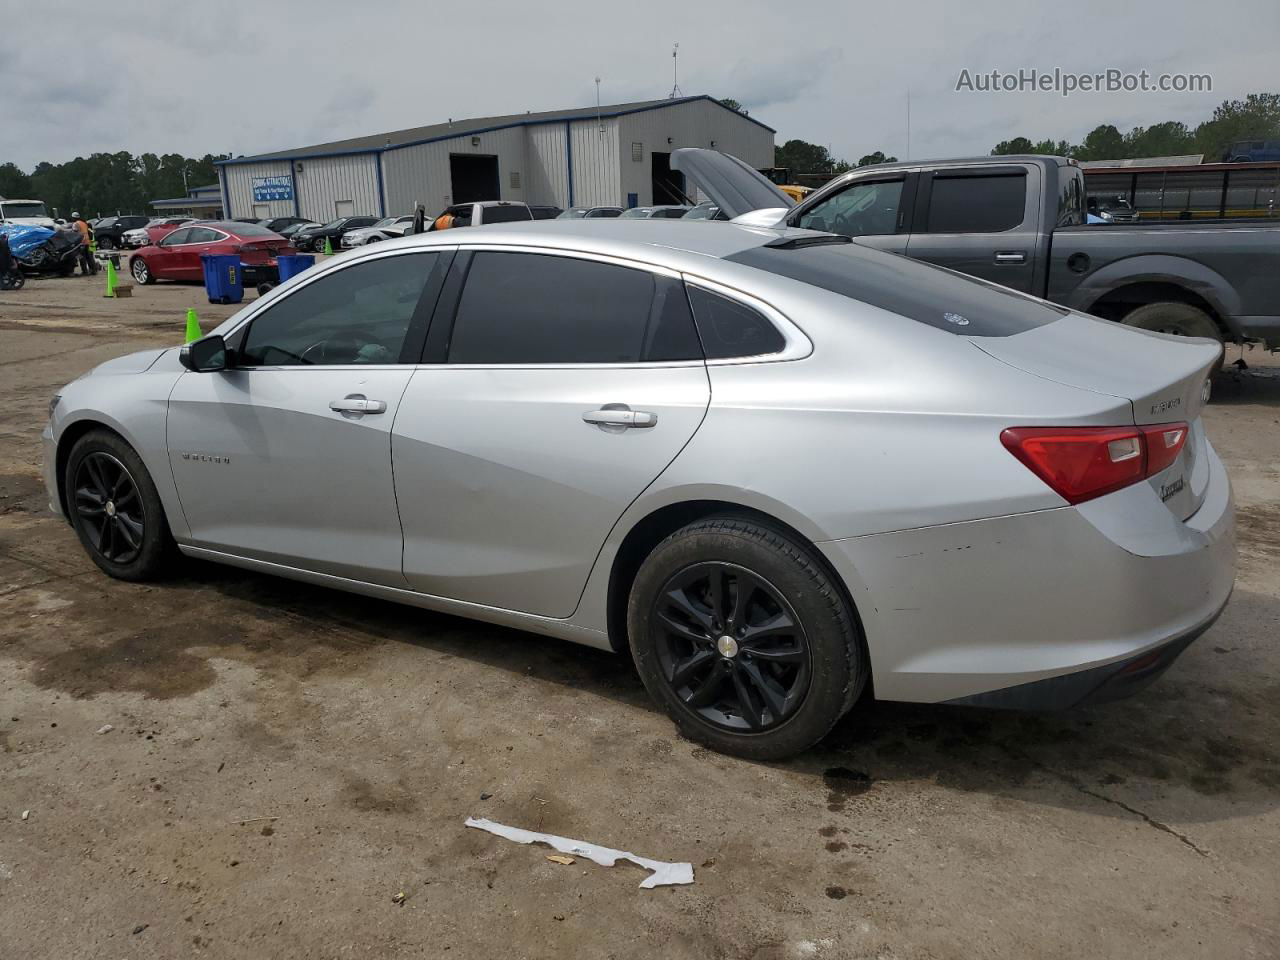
<point>610,155</point>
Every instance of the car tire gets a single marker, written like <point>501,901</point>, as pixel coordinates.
<point>106,243</point>
<point>141,272</point>
<point>115,509</point>
<point>1179,319</point>
<point>802,661</point>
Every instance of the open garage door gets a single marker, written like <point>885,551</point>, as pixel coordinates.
<point>473,177</point>
<point>668,184</point>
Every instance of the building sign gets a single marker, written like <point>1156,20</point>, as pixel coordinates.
<point>266,189</point>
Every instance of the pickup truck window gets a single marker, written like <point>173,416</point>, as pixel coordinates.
<point>507,214</point>
<point>1070,202</point>
<point>976,204</point>
<point>863,210</point>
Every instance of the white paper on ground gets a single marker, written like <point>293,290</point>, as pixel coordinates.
<point>663,873</point>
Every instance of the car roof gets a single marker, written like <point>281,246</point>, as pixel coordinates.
<point>711,239</point>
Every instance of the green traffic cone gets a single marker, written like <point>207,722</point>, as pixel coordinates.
<point>193,326</point>
<point>328,247</point>
<point>111,280</point>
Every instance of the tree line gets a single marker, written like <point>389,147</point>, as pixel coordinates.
<point>108,183</point>
<point>1256,117</point>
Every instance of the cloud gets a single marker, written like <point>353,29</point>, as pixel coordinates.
<point>80,78</point>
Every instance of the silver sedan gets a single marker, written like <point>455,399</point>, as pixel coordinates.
<point>776,468</point>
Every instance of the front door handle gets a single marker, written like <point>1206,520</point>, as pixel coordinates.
<point>620,415</point>
<point>358,404</point>
<point>1011,256</point>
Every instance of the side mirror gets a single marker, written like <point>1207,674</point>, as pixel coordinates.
<point>205,355</point>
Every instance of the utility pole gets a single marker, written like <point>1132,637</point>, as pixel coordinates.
<point>599,122</point>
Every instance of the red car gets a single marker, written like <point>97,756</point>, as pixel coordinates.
<point>177,254</point>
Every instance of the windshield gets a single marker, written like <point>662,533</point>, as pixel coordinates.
<point>573,213</point>
<point>637,213</point>
<point>23,208</point>
<point>252,230</point>
<point>703,211</point>
<point>386,222</point>
<point>334,224</point>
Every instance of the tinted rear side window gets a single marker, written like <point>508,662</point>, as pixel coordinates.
<point>506,214</point>
<point>987,204</point>
<point>731,329</point>
<point>537,308</point>
<point>917,291</point>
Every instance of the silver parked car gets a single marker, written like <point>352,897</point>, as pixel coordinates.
<point>778,468</point>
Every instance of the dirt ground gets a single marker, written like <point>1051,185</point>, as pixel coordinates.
<point>284,761</point>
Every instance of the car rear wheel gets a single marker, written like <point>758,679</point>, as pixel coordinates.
<point>741,634</point>
<point>1179,319</point>
<point>115,509</point>
<point>106,243</point>
<point>141,272</point>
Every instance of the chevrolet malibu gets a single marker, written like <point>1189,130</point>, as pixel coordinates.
<point>776,468</point>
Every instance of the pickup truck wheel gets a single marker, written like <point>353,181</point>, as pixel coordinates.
<point>1179,319</point>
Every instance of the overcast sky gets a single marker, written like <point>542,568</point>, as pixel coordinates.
<point>248,77</point>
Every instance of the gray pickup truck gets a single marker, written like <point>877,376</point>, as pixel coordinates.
<point>1020,221</point>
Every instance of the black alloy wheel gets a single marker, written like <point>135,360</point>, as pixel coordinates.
<point>109,506</point>
<point>730,646</point>
<point>741,632</point>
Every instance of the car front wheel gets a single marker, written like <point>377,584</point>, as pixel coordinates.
<point>741,634</point>
<point>114,507</point>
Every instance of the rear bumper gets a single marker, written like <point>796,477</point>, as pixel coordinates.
<point>1265,328</point>
<point>1046,609</point>
<point>1114,681</point>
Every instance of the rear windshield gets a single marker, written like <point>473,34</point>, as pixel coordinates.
<point>253,230</point>
<point>940,298</point>
<point>506,214</point>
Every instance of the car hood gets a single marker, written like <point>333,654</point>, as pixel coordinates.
<point>139,362</point>
<point>734,186</point>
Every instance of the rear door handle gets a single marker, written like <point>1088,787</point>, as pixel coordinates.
<point>1011,256</point>
<point>357,403</point>
<point>620,415</point>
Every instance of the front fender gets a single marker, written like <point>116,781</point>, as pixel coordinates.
<point>136,407</point>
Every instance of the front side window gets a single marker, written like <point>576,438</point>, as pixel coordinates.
<point>360,314</point>
<point>976,204</point>
<point>176,237</point>
<point>538,308</point>
<point>862,210</point>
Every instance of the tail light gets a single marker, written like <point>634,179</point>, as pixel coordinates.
<point>1081,463</point>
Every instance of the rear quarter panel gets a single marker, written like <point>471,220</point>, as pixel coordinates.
<point>1231,267</point>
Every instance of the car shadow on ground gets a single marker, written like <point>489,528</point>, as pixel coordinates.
<point>1200,745</point>
<point>1258,384</point>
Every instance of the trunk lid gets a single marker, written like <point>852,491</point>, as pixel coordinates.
<point>1164,378</point>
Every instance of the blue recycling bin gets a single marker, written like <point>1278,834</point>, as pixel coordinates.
<point>223,277</point>
<point>291,266</point>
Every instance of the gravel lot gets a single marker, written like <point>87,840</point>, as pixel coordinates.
<point>368,733</point>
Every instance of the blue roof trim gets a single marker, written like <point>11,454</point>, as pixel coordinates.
<point>366,151</point>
